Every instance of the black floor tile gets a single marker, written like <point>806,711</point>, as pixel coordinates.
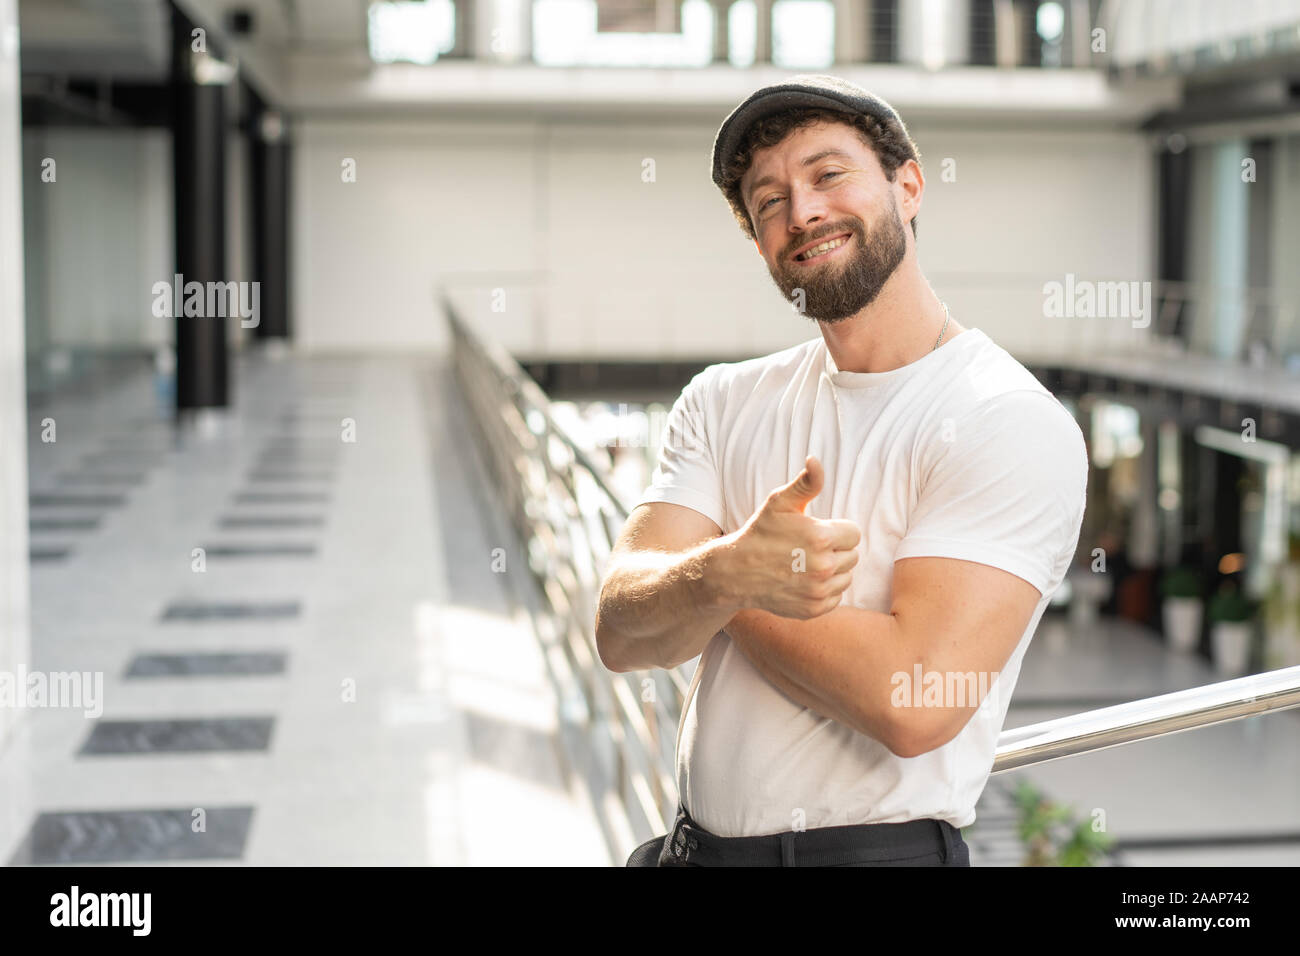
<point>272,521</point>
<point>128,459</point>
<point>260,477</point>
<point>63,524</point>
<point>283,460</point>
<point>46,500</point>
<point>318,443</point>
<point>135,836</point>
<point>97,478</point>
<point>231,611</point>
<point>45,555</point>
<point>234,664</point>
<point>202,735</point>
<point>281,497</point>
<point>260,551</point>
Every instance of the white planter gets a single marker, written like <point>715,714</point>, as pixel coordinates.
<point>1231,644</point>
<point>1083,612</point>
<point>1183,622</point>
<point>1087,593</point>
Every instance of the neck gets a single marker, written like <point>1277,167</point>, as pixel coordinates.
<point>898,328</point>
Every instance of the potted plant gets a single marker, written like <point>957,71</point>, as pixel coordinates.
<point>1052,836</point>
<point>1280,613</point>
<point>1232,614</point>
<point>1181,608</point>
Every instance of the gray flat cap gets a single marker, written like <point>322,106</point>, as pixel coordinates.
<point>806,89</point>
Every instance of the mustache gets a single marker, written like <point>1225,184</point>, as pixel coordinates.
<point>800,243</point>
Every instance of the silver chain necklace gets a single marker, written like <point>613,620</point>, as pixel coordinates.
<point>946,316</point>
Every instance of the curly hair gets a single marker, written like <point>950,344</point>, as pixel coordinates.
<point>890,141</point>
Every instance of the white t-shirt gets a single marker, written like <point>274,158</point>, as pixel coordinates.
<point>961,454</point>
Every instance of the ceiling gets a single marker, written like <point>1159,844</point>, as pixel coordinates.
<point>128,39</point>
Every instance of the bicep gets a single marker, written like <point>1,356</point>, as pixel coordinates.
<point>660,526</point>
<point>961,620</point>
<point>961,615</point>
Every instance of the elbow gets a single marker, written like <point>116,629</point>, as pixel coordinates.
<point>607,647</point>
<point>607,658</point>
<point>611,646</point>
<point>914,736</point>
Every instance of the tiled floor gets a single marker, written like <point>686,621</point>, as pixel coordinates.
<point>336,677</point>
<point>307,659</point>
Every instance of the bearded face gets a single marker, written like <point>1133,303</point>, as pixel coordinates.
<point>842,269</point>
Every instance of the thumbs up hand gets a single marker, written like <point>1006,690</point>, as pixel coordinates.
<point>790,564</point>
<point>803,488</point>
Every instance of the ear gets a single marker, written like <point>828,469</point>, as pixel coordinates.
<point>912,181</point>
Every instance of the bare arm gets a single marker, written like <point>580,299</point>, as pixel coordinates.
<point>951,617</point>
<point>658,608</point>
<point>742,629</point>
<point>674,579</point>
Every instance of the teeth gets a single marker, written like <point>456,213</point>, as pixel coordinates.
<point>824,247</point>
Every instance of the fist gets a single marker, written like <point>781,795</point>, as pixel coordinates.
<point>790,564</point>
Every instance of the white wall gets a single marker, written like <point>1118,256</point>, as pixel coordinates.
<point>639,269</point>
<point>1027,207</point>
<point>1286,244</point>
<point>15,640</point>
<point>101,234</point>
<point>427,198</point>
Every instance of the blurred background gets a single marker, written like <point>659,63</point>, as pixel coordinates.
<point>337,336</point>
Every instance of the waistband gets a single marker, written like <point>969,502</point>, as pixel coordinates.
<point>689,843</point>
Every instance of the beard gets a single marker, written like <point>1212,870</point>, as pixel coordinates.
<point>834,290</point>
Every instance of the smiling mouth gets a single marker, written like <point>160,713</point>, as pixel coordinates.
<point>822,249</point>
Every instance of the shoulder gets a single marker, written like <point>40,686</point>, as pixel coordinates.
<point>996,407</point>
<point>988,371</point>
<point>992,383</point>
<point>746,376</point>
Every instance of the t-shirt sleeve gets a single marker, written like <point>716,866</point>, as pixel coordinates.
<point>1005,487</point>
<point>686,472</point>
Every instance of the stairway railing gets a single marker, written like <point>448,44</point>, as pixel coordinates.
<point>562,506</point>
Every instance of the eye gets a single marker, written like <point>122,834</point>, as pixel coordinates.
<point>831,172</point>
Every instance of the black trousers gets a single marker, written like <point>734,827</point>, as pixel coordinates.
<point>915,843</point>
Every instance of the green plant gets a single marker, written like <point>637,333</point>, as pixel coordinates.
<point>1181,582</point>
<point>1231,605</point>
<point>1052,836</point>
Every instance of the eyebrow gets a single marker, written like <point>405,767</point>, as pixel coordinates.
<point>808,161</point>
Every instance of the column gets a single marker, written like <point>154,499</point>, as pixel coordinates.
<point>852,31</point>
<point>763,32</point>
<point>15,633</point>
<point>270,147</point>
<point>198,163</point>
<point>721,30</point>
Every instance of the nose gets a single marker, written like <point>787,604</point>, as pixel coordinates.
<point>807,207</point>
<point>807,211</point>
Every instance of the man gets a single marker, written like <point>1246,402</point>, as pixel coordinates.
<point>857,535</point>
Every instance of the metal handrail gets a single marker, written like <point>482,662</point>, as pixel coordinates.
<point>563,508</point>
<point>499,391</point>
<point>1148,718</point>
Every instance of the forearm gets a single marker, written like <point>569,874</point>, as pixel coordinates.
<point>844,659</point>
<point>659,609</point>
<point>763,662</point>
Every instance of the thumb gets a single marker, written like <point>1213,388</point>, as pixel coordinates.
<point>805,487</point>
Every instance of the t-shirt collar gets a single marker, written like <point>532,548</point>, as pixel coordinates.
<point>873,379</point>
